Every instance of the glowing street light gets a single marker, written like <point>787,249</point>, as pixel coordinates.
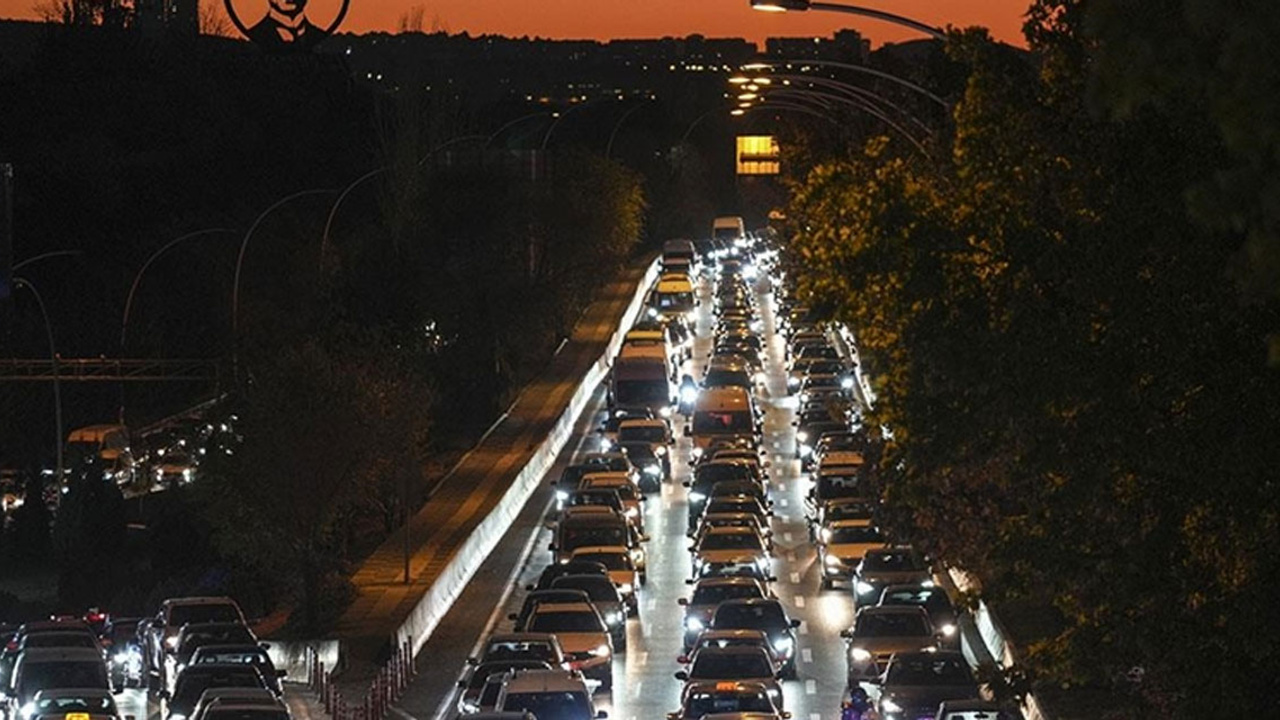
<point>779,6</point>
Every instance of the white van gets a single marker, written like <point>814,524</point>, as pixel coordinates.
<point>106,446</point>
<point>674,296</point>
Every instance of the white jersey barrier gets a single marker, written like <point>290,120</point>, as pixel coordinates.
<point>471,555</point>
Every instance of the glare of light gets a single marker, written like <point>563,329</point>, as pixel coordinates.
<point>756,66</point>
<point>739,80</point>
<point>763,81</point>
<point>768,7</point>
<point>748,96</point>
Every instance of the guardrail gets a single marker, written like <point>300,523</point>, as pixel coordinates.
<point>993,636</point>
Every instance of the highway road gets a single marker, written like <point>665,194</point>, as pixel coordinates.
<point>644,686</point>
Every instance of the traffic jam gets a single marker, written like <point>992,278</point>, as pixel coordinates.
<point>712,549</point>
<point>195,659</point>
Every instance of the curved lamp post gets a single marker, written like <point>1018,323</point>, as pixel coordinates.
<point>608,148</point>
<point>45,256</point>
<point>850,90</point>
<point>802,5</point>
<point>137,279</point>
<point>826,99</point>
<point>53,358</point>
<point>512,123</point>
<point>765,65</point>
<point>785,107</point>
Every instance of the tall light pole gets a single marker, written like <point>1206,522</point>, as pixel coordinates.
<point>333,210</point>
<point>57,386</point>
<point>608,148</point>
<point>802,5</point>
<point>848,89</point>
<point>784,107</point>
<point>765,65</point>
<point>513,123</point>
<point>826,99</point>
<point>546,139</point>
<point>45,256</point>
<point>235,288</point>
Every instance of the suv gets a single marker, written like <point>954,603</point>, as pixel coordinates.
<point>176,612</point>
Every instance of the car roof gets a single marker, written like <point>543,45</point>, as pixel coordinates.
<point>523,636</point>
<point>520,681</point>
<point>576,607</point>
<point>892,610</point>
<point>77,654</point>
<point>72,692</point>
<point>600,550</point>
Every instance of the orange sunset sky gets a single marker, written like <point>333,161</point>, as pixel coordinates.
<point>609,19</point>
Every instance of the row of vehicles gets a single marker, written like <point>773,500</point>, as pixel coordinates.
<point>197,656</point>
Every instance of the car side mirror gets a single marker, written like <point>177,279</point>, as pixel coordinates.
<point>683,659</point>
<point>551,547</point>
<point>530,587</point>
<point>795,623</point>
<point>686,483</point>
<point>602,714</point>
<point>846,634</point>
<point>682,675</point>
<point>164,694</point>
<point>462,684</point>
<point>513,616</point>
<point>644,538</point>
<point>682,601</point>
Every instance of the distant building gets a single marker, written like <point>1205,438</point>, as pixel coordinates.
<point>845,46</point>
<point>161,18</point>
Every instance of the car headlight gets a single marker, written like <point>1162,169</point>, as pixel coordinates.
<point>605,444</point>
<point>948,630</point>
<point>888,705</point>
<point>846,383</point>
<point>928,582</point>
<point>688,395</point>
<point>613,618</point>
<point>28,710</point>
<point>602,651</point>
<point>831,560</point>
<point>562,495</point>
<point>653,469</point>
<point>860,654</point>
<point>863,587</point>
<point>159,473</point>
<point>186,474</point>
<point>806,450</point>
<point>665,411</point>
<point>632,512</point>
<point>697,497</point>
<point>693,624</point>
<point>804,397</point>
<point>802,436</point>
<point>697,453</point>
<point>793,381</point>
<point>826,536</point>
<point>625,588</point>
<point>171,642</point>
<point>763,563</point>
<point>660,451</point>
<point>783,644</point>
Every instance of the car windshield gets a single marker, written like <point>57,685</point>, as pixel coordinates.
<point>730,666</point>
<point>123,632</point>
<point>838,486</point>
<point>731,541</point>
<point>855,534</point>
<point>641,450</point>
<point>700,704</point>
<point>726,377</point>
<point>675,300</point>
<point>934,599</point>
<point>599,589</point>
<point>899,561</point>
<point>613,561</point>
<point>513,649</point>
<point>486,670</point>
<point>553,705</point>
<point>734,505</point>
<point>628,392</point>
<point>750,616</point>
<point>59,640</point>
<point>245,713</point>
<point>716,472</point>
<point>928,670</point>
<point>849,511</point>
<point>234,656</point>
<point>716,594</point>
<point>896,624</point>
<point>825,367</point>
<point>607,498</point>
<point>102,705</point>
<point>736,641</point>
<point>732,421</point>
<point>180,615</point>
<point>642,433</point>
<point>819,351</point>
<point>62,674</point>
<point>614,463</point>
<point>573,537</point>
<point>574,621</point>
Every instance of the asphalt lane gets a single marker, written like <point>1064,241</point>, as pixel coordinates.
<point>644,685</point>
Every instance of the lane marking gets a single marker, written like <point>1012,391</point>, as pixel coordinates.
<point>651,604</point>
<point>639,684</point>
<point>791,556</point>
<point>804,628</point>
<point>810,687</point>
<point>795,578</point>
<point>786,536</point>
<point>782,487</point>
<point>643,658</point>
<point>812,716</point>
<point>800,601</point>
<point>784,502</point>
<point>806,655</point>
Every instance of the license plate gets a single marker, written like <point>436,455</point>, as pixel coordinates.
<point>76,716</point>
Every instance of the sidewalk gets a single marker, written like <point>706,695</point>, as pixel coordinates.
<point>470,491</point>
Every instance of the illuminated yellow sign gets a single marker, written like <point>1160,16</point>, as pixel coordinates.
<point>758,155</point>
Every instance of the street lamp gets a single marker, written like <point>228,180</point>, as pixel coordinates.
<point>608,148</point>
<point>765,65</point>
<point>825,99</point>
<point>57,386</point>
<point>803,5</point>
<point>852,90</point>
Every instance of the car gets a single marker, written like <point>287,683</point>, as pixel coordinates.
<point>811,426</point>
<point>765,614</point>
<point>40,669</point>
<point>880,632</point>
<point>888,566</point>
<point>740,664</point>
<point>724,372</point>
<point>58,639</point>
<point>583,634</point>
<point>651,459</point>
<point>841,545</point>
<point>553,694</point>
<point>942,614</point>
<point>586,527</point>
<point>976,710</point>
<point>622,569</point>
<point>605,596</point>
<point>746,520</point>
<point>749,504</point>
<point>237,703</point>
<point>194,680</point>
<point>719,551</point>
<point>655,432</point>
<point>522,646</point>
<point>80,703</point>
<point>832,484</point>
<point>707,595</point>
<point>589,497</point>
<point>250,653</point>
<point>632,501</point>
<point>916,684</point>
<point>473,683</point>
<point>727,699</point>
<point>194,635</point>
<point>176,612</point>
<point>613,422</point>
<point>707,474</point>
<point>568,481</point>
